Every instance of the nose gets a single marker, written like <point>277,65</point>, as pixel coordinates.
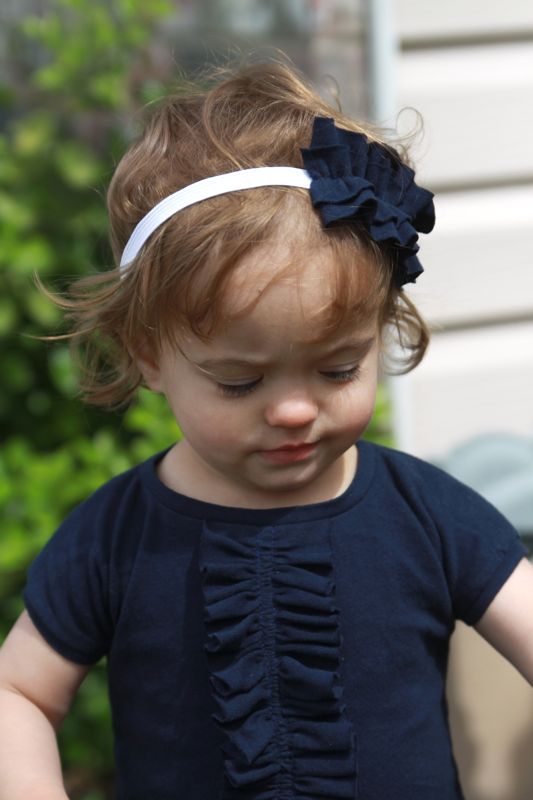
<point>294,411</point>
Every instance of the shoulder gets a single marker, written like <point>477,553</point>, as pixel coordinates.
<point>412,473</point>
<point>425,486</point>
<point>76,584</point>
<point>476,545</point>
<point>120,504</point>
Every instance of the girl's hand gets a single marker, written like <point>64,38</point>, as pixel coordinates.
<point>507,624</point>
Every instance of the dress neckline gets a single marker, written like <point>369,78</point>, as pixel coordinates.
<point>201,509</point>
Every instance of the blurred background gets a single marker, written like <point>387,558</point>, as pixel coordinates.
<point>74,75</point>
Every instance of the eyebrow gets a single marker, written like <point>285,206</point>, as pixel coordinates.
<point>361,345</point>
<point>214,363</point>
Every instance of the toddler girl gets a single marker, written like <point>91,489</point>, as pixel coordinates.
<point>274,595</point>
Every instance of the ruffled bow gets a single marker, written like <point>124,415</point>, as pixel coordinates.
<point>355,179</point>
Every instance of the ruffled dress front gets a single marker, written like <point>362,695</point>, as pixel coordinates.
<point>274,651</point>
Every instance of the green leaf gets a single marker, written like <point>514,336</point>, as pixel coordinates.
<point>14,213</point>
<point>41,310</point>
<point>8,316</point>
<point>62,370</point>
<point>17,372</point>
<point>38,403</point>
<point>32,254</point>
<point>108,89</point>
<point>34,135</point>
<point>77,165</point>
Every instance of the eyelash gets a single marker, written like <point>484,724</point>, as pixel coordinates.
<point>241,390</point>
<point>238,390</point>
<point>344,375</point>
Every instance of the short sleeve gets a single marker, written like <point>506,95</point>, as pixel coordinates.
<point>481,550</point>
<point>67,591</point>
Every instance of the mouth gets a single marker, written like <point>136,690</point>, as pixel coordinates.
<point>289,453</point>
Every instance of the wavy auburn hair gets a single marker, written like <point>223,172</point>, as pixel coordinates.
<point>257,115</point>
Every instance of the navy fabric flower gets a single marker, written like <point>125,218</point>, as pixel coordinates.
<point>355,179</point>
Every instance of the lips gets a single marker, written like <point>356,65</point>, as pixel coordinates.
<point>289,453</point>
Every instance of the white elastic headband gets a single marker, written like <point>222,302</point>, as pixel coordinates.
<point>202,190</point>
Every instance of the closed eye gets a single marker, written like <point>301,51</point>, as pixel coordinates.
<point>343,375</point>
<point>242,389</point>
<point>238,389</point>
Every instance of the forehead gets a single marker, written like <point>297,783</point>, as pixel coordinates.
<point>308,287</point>
<point>279,326</point>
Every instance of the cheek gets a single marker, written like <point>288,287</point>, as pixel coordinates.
<point>208,426</point>
<point>365,415</point>
<point>356,407</point>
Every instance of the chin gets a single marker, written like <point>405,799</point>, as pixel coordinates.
<point>291,479</point>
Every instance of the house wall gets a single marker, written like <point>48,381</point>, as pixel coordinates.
<point>468,69</point>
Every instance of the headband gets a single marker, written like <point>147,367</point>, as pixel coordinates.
<point>349,179</point>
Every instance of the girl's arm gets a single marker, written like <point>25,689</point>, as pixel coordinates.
<point>507,624</point>
<point>37,687</point>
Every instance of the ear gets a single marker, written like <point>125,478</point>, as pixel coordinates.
<point>150,370</point>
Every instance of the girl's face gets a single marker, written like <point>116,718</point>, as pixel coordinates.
<point>268,418</point>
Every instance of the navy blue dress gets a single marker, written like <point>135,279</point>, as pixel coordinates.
<point>276,654</point>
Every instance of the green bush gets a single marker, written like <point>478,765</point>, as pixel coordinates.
<point>68,121</point>
<point>67,118</point>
